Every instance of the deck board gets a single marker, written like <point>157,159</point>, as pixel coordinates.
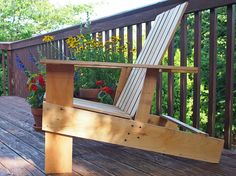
<point>22,152</point>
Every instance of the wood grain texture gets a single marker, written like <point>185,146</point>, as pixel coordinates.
<point>100,127</point>
<point>58,148</point>
<point>88,64</point>
<point>91,158</point>
<point>132,17</point>
<point>212,73</point>
<point>158,120</point>
<point>197,63</point>
<point>99,107</point>
<point>124,74</point>
<point>144,106</point>
<point>162,31</point>
<point>230,76</point>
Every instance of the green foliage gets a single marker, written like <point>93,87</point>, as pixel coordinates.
<point>35,83</point>
<point>35,98</point>
<point>84,47</point>
<point>21,19</point>
<point>204,73</point>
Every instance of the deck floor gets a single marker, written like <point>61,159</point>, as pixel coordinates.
<point>22,152</point>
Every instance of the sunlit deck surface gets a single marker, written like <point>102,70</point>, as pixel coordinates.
<point>22,152</point>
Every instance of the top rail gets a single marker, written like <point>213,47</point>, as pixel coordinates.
<point>120,20</point>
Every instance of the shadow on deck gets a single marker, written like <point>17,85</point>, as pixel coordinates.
<point>22,152</point>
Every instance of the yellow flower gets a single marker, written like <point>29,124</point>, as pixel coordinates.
<point>48,38</point>
<point>71,42</point>
<point>133,50</point>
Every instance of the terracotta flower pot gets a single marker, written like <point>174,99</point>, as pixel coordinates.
<point>89,94</point>
<point>37,114</point>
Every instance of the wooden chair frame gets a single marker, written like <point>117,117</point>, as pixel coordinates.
<point>62,120</point>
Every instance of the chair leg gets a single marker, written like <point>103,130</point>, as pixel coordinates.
<point>58,154</point>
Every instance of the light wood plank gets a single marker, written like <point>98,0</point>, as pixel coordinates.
<point>157,120</point>
<point>125,72</point>
<point>100,127</point>
<point>145,103</point>
<point>184,125</point>
<point>154,53</point>
<point>88,64</point>
<point>59,90</point>
<point>99,107</point>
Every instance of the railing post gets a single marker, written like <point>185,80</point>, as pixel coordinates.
<point>212,74</point>
<point>171,80</point>
<point>197,63</point>
<point>229,75</point>
<point>183,62</point>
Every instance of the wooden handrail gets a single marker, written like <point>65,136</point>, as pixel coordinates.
<point>140,15</point>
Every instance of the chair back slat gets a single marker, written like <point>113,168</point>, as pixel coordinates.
<point>153,51</point>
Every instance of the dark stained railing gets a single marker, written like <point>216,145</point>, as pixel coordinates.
<point>131,26</point>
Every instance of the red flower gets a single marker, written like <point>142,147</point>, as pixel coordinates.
<point>34,88</point>
<point>32,80</point>
<point>107,89</point>
<point>41,80</point>
<point>99,83</point>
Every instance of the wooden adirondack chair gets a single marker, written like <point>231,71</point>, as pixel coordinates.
<point>128,122</point>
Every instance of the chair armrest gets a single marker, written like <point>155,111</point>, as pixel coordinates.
<point>89,64</point>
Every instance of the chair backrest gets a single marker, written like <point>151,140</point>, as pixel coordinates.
<point>152,52</point>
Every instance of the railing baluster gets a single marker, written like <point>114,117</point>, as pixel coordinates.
<point>60,50</point>
<point>197,63</point>
<point>229,75</point>
<point>171,80</point>
<point>183,62</point>
<point>10,73</point>
<point>148,27</point>
<point>212,74</point>
<point>3,73</point>
<point>122,39</point>
<point>159,94</point>
<point>107,38</point>
<point>139,38</point>
<point>130,44</point>
<point>113,33</point>
<point>93,35</point>
<point>66,50</point>
<point>56,50</point>
<point>121,36</point>
<point>107,35</point>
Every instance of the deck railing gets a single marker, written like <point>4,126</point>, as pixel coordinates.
<point>131,26</point>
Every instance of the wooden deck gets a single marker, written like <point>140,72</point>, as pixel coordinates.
<point>22,152</point>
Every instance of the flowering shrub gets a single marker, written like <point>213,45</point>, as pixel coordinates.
<point>86,47</point>
<point>105,94</point>
<point>35,84</point>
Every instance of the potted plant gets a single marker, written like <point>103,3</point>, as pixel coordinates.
<point>36,87</point>
<point>85,47</point>
<point>105,94</point>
